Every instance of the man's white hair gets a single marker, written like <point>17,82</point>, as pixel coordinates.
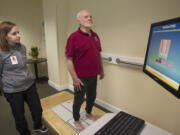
<point>79,14</point>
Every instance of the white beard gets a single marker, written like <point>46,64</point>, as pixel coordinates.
<point>86,25</point>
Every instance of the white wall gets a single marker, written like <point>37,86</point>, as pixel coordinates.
<point>55,17</point>
<point>62,16</point>
<point>50,21</point>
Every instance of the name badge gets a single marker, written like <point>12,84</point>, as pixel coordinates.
<point>13,60</point>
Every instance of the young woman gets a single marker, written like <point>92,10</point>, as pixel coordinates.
<point>16,81</point>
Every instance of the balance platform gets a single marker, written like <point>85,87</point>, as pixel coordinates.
<point>61,123</point>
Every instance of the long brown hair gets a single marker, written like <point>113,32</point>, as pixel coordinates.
<point>5,28</point>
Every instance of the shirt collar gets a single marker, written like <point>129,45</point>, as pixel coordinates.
<point>81,32</point>
<point>15,46</point>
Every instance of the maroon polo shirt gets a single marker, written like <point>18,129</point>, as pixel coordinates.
<point>85,52</point>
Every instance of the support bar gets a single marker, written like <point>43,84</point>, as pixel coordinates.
<point>118,61</point>
<point>107,59</point>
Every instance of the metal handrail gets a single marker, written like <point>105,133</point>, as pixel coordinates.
<point>118,61</point>
<point>107,59</point>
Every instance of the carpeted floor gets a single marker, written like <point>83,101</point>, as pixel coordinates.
<point>7,125</point>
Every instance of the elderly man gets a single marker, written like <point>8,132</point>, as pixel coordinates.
<point>84,64</point>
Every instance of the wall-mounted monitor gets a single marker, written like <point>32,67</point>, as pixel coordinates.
<point>162,60</point>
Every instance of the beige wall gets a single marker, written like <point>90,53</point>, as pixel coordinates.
<point>55,18</point>
<point>62,16</point>
<point>50,21</point>
<point>27,14</point>
<point>123,26</point>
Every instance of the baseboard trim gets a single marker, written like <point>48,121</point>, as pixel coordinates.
<point>60,87</point>
<point>71,87</point>
<point>107,106</point>
<point>54,85</point>
<point>99,102</point>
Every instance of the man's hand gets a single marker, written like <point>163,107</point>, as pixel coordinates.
<point>101,70</point>
<point>77,83</point>
<point>101,75</point>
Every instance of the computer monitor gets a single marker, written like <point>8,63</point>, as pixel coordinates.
<point>162,60</point>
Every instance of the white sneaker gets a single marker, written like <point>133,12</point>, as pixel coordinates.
<point>42,129</point>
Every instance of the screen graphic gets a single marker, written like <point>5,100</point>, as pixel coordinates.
<point>162,61</point>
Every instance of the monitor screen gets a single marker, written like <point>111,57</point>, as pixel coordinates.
<point>162,61</point>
